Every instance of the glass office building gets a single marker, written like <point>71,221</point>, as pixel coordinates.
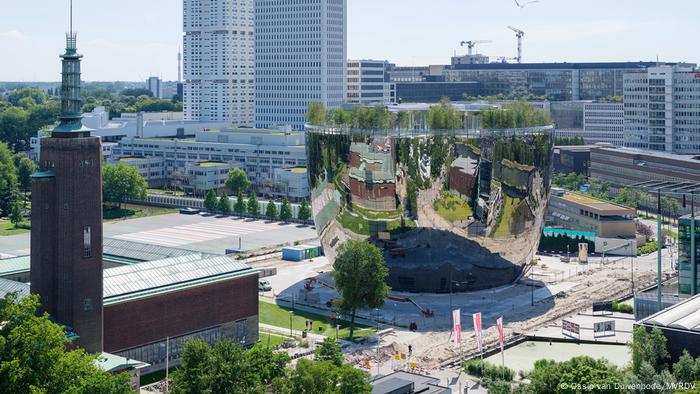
<point>685,265</point>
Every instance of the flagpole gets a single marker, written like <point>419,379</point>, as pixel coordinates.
<point>167,359</point>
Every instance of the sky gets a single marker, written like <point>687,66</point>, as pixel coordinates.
<point>133,39</point>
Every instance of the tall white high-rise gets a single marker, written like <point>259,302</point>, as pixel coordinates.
<point>662,109</point>
<point>300,57</point>
<point>219,61</point>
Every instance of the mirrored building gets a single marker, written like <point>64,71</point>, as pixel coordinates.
<point>452,211</point>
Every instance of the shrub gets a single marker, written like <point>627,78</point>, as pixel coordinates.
<point>489,371</point>
<point>622,308</point>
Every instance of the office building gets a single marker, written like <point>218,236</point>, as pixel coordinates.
<point>578,212</point>
<point>603,123</point>
<point>66,237</point>
<point>155,86</point>
<point>300,57</point>
<point>202,163</point>
<point>556,81</point>
<point>625,166</point>
<point>662,109</point>
<point>433,92</point>
<point>219,60</point>
<point>686,267</point>
<point>368,83</point>
<point>573,158</point>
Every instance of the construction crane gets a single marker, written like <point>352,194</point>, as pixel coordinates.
<point>472,44</point>
<point>519,33</point>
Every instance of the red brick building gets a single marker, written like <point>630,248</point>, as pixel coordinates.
<point>463,175</point>
<point>179,298</point>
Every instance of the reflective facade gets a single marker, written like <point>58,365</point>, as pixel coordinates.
<point>451,211</point>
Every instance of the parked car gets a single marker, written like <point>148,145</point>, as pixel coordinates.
<point>189,211</point>
<point>264,285</point>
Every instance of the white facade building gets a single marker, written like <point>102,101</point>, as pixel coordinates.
<point>155,86</point>
<point>300,57</point>
<point>368,83</point>
<point>219,60</point>
<point>603,122</point>
<point>662,109</point>
<point>262,154</point>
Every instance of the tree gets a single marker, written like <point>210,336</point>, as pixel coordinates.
<point>224,204</point>
<point>267,363</point>
<point>330,350</point>
<point>239,207</point>
<point>16,213</point>
<point>121,183</point>
<point>237,181</point>
<point>253,205</point>
<point>285,210</point>
<point>8,181</point>
<point>210,202</point>
<point>323,377</point>
<point>25,168</point>
<point>33,356</point>
<point>316,113</point>
<point>649,347</point>
<point>304,211</point>
<point>271,210</point>
<point>227,368</point>
<point>193,374</point>
<point>136,92</point>
<point>684,369</point>
<point>359,276</point>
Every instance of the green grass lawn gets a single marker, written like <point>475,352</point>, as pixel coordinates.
<point>133,211</point>
<point>362,226</point>
<point>275,315</point>
<point>503,228</point>
<point>155,376</point>
<point>275,339</point>
<point>452,207</point>
<point>7,228</point>
<point>371,214</point>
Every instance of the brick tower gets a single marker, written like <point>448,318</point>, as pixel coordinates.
<point>66,238</point>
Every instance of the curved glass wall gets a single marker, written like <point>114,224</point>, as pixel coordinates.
<point>452,211</point>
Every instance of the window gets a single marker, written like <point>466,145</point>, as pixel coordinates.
<point>87,241</point>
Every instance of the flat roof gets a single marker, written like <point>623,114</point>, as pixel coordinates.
<point>155,277</point>
<point>594,203</point>
<point>554,66</point>
<point>650,153</point>
<point>298,170</point>
<point>210,164</point>
<point>422,383</point>
<point>684,315</point>
<point>112,363</point>
<point>15,265</point>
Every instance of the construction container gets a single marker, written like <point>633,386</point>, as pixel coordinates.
<point>300,252</point>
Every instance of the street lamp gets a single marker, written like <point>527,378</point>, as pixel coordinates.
<point>291,315</point>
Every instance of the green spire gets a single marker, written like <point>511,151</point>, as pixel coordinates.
<point>71,104</point>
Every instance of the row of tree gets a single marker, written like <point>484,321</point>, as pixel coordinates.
<point>518,114</point>
<point>222,204</point>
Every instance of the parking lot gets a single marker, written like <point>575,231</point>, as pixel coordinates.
<point>208,234</point>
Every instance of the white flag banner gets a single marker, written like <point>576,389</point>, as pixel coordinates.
<point>477,329</point>
<point>499,323</point>
<point>457,327</point>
